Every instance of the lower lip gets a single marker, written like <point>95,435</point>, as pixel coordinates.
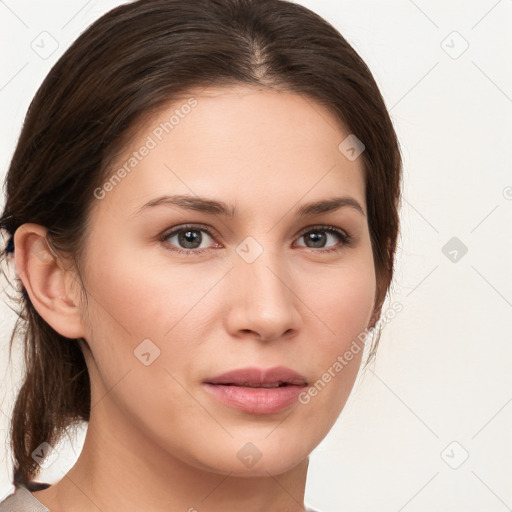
<point>256,400</point>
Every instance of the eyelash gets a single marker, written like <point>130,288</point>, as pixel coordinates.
<point>346,239</point>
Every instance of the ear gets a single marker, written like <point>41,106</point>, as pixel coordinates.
<point>53,290</point>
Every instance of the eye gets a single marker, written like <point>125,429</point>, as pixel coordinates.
<point>194,239</point>
<point>319,236</point>
<point>188,239</point>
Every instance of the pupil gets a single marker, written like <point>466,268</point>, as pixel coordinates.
<point>318,238</point>
<point>190,239</point>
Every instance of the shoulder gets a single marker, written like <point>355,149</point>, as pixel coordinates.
<point>22,500</point>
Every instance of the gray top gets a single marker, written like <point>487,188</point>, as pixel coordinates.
<point>22,500</point>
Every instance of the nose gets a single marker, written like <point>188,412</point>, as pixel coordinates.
<point>263,302</point>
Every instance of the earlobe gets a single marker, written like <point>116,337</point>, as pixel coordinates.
<point>46,281</point>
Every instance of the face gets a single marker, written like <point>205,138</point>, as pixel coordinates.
<point>206,256</point>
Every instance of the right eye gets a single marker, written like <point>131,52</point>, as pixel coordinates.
<point>187,239</point>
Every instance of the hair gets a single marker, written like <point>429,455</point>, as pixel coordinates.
<point>127,64</point>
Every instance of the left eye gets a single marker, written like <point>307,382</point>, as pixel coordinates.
<point>318,237</point>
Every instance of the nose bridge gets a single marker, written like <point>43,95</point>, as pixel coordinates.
<point>264,302</point>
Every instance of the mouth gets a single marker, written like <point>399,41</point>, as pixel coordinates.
<point>257,391</point>
<point>254,384</point>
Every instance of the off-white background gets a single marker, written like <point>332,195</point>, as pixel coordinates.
<point>444,368</point>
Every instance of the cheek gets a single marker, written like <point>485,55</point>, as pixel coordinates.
<point>344,306</point>
<point>138,309</point>
<point>144,299</point>
<point>343,299</point>
<point>131,302</point>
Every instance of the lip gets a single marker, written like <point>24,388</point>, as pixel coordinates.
<point>257,390</point>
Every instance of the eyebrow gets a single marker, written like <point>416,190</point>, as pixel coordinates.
<point>214,207</point>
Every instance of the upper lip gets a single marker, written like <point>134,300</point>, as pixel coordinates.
<point>259,377</point>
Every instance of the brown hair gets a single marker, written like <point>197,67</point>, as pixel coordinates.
<point>129,62</point>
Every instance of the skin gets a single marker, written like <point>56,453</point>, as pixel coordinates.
<point>156,439</point>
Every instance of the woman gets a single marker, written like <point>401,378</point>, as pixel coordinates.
<point>202,211</point>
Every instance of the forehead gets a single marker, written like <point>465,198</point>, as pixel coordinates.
<point>240,142</point>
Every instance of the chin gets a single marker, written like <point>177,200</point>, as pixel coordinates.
<point>254,458</point>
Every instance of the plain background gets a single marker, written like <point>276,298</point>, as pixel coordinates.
<point>428,427</point>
